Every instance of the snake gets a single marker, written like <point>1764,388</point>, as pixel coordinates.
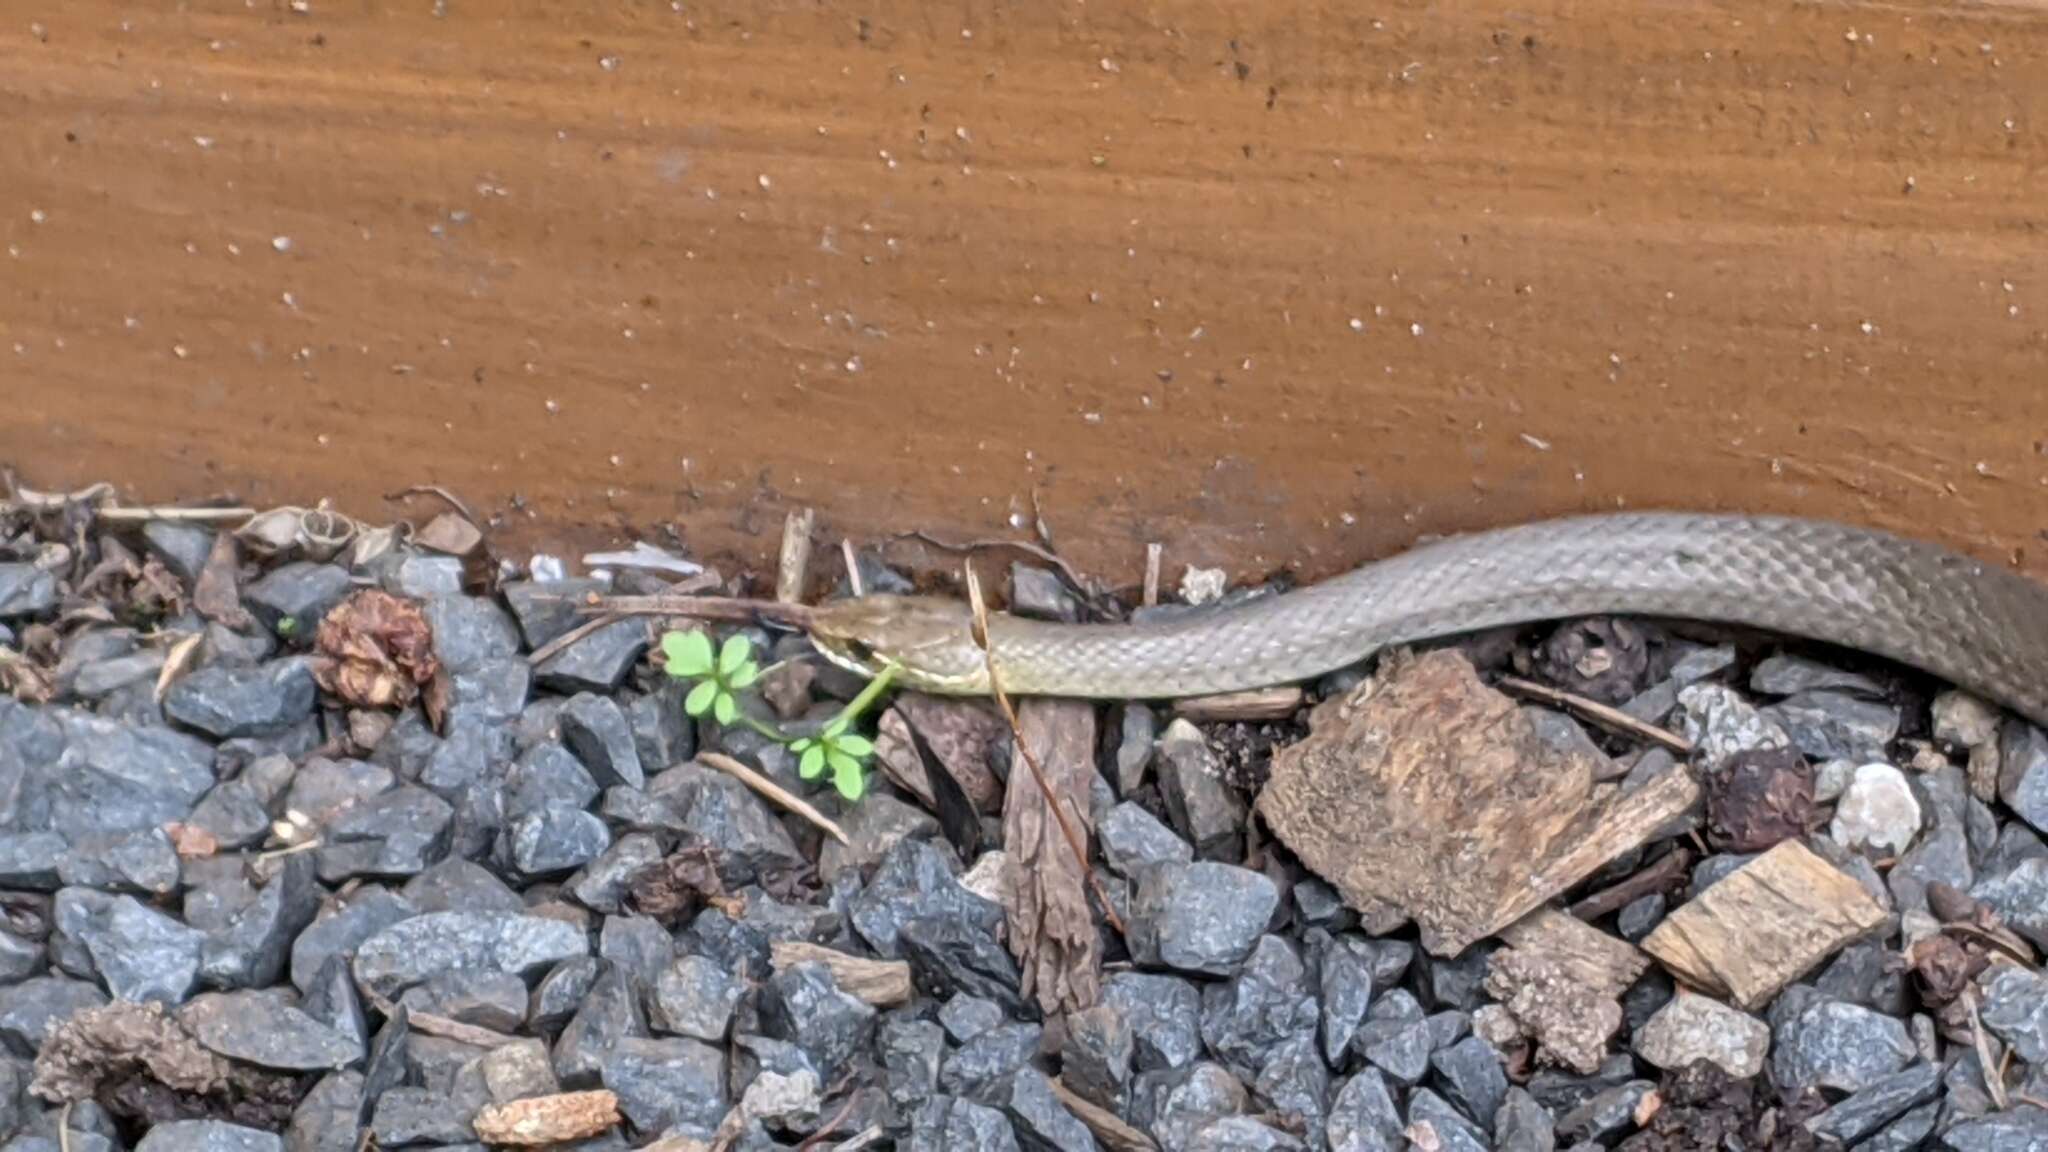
<point>1978,626</point>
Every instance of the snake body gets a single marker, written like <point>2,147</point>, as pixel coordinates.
<point>1981,627</point>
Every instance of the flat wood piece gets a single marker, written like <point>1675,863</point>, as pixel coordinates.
<point>1107,1127</point>
<point>793,565</point>
<point>1605,964</point>
<point>1257,704</point>
<point>1765,925</point>
<point>877,983</point>
<point>1427,793</point>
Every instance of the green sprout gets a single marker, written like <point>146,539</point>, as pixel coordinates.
<point>722,677</point>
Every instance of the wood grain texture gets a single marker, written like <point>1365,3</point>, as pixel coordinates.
<point>1427,792</point>
<point>1270,284</point>
<point>1764,925</point>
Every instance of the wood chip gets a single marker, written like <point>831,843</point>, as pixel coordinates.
<point>553,1119</point>
<point>1257,704</point>
<point>1766,924</point>
<point>878,983</point>
<point>176,662</point>
<point>1427,793</point>
<point>793,565</point>
<point>1052,929</point>
<point>1107,1127</point>
<point>1561,979</point>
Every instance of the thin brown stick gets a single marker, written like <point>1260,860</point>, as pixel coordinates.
<point>456,1030</point>
<point>853,580</point>
<point>697,608</point>
<point>548,649</point>
<point>1994,1071</point>
<point>1154,553</point>
<point>1668,869</point>
<point>64,1128</point>
<point>454,501</point>
<point>868,1137</point>
<point>1599,713</point>
<point>1066,570</point>
<point>1107,1126</point>
<point>2005,947</point>
<point>793,565</point>
<point>196,515</point>
<point>782,797</point>
<point>1052,804</point>
<point>824,1130</point>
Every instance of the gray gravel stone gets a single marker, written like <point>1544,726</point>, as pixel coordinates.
<point>260,1028</point>
<point>422,576</point>
<point>2023,1129</point>
<point>950,1124</point>
<point>560,993</point>
<point>875,825</point>
<point>1395,1037</point>
<point>494,1000</point>
<point>1640,917</point>
<point>914,882</point>
<point>2016,1010</point>
<point>2023,771</point>
<point>26,590</point>
<point>1041,1122</point>
<point>595,728</point>
<point>457,885</point>
<point>1877,810</point>
<point>1137,732</point>
<point>556,841</point>
<point>1605,1115</point>
<point>137,951</point>
<point>413,951</point>
<point>1827,1044</point>
<point>390,836</point>
<point>1906,1133</point>
<point>1096,1053</point>
<point>1347,986</point>
<point>1242,1134</point>
<point>1201,917</point>
<point>112,778</point>
<point>494,691</point>
<point>236,813</point>
<point>1294,1082</point>
<point>546,776</point>
<point>910,1051</point>
<point>30,1009</point>
<point>140,862</point>
<point>948,957</point>
<point>663,734</point>
<point>1452,1131</point>
<point>1470,1075</point>
<point>367,912</point>
<point>1364,1117</point>
<point>333,1001</point>
<point>1830,725</point>
<point>661,1083</point>
<point>1721,724</point>
<point>1039,593</point>
<point>1267,1003</point>
<point>469,632</point>
<point>638,945</point>
<point>2020,898</point>
<point>747,839</point>
<point>30,860</point>
<point>1522,1125</point>
<point>407,1116</point>
<point>1133,839</point>
<point>327,1120</point>
<point>252,947</point>
<point>804,1006</point>
<point>1186,1101</point>
<point>980,1069</point>
<point>322,789</point>
<point>1863,1113</point>
<point>293,598</point>
<point>607,1015</point>
<point>597,662</point>
<point>207,1136</point>
<point>602,885</point>
<point>1783,674</point>
<point>1164,1013</point>
<point>965,1017</point>
<point>103,678</point>
<point>547,610</point>
<point>1201,804</point>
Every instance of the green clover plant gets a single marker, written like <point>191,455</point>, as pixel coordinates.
<point>723,676</point>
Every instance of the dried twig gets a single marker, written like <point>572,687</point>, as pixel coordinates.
<point>175,663</point>
<point>454,501</point>
<point>456,1030</point>
<point>698,608</point>
<point>1039,551</point>
<point>876,983</point>
<point>868,1138</point>
<point>64,1128</point>
<point>1669,868</point>
<point>547,650</point>
<point>783,797</point>
<point>1599,713</point>
<point>793,566</point>
<point>854,583</point>
<point>1107,1126</point>
<point>824,1130</point>
<point>1994,1078</point>
<point>1052,804</point>
<point>1154,552</point>
<point>198,515</point>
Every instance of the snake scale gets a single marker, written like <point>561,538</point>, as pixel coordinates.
<point>1978,626</point>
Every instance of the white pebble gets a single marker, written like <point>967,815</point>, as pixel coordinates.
<point>1877,811</point>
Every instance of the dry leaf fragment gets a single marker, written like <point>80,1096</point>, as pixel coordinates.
<point>377,650</point>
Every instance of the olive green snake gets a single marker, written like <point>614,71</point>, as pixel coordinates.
<point>1978,626</point>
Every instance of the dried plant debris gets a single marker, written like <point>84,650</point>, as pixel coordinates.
<point>378,651</point>
<point>139,1063</point>
<point>1426,792</point>
<point>553,1119</point>
<point>1759,798</point>
<point>1052,928</point>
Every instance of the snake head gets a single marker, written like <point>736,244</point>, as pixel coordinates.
<point>929,640</point>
